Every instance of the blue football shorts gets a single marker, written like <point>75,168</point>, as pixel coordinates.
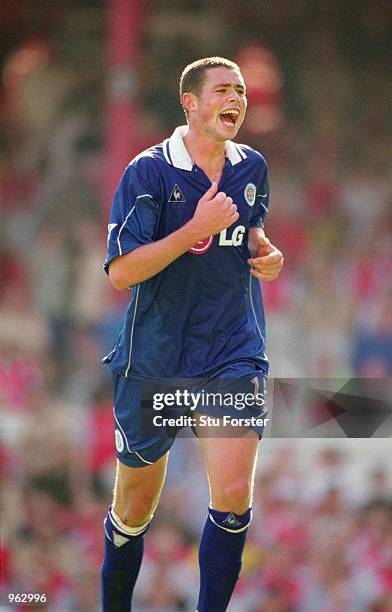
<point>149,414</point>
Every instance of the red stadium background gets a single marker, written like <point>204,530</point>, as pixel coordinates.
<point>85,85</point>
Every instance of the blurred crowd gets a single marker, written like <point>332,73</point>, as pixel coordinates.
<point>318,91</point>
<point>320,539</point>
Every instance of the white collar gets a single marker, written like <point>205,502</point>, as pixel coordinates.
<point>180,157</point>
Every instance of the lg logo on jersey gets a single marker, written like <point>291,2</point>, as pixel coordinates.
<point>236,239</point>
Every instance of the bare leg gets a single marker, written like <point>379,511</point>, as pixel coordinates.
<point>137,491</point>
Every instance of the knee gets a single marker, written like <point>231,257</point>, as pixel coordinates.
<point>136,515</point>
<point>233,496</point>
<point>134,509</point>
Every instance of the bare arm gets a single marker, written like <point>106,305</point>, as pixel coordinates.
<point>149,259</point>
<point>214,212</point>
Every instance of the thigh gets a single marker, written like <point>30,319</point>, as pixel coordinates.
<point>230,463</point>
<point>137,489</point>
<point>138,443</point>
<point>240,401</point>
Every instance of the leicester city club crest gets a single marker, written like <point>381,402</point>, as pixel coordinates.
<point>250,194</point>
<point>119,441</point>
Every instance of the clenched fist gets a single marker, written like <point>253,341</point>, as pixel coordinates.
<point>214,213</point>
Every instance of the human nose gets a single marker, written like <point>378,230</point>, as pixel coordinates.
<point>234,95</point>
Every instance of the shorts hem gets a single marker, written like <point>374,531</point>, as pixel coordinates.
<point>136,459</point>
<point>257,428</point>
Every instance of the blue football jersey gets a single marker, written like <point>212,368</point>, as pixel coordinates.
<point>204,311</point>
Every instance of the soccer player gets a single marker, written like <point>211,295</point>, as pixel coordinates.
<point>186,233</point>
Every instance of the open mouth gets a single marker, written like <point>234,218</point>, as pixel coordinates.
<point>229,117</point>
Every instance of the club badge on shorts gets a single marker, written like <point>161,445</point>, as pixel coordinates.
<point>250,194</point>
<point>119,441</point>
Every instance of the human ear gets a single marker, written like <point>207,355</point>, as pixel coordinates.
<point>189,102</point>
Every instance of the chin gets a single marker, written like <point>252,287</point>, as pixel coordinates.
<point>226,134</point>
<point>231,133</point>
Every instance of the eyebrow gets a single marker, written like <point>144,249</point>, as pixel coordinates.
<point>237,85</point>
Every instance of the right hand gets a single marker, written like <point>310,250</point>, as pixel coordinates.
<point>214,212</point>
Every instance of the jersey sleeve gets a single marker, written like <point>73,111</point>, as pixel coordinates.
<point>133,216</point>
<point>262,202</point>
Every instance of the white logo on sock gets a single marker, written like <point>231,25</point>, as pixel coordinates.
<point>119,540</point>
<point>231,520</point>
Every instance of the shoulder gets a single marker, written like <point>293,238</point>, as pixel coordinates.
<point>253,156</point>
<point>149,163</point>
<point>147,169</point>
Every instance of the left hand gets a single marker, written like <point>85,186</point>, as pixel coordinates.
<point>268,262</point>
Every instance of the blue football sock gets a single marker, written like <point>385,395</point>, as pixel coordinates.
<point>220,558</point>
<point>121,565</point>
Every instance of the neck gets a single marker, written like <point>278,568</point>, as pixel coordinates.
<point>206,152</point>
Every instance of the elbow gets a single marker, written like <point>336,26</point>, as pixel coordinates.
<point>118,285</point>
<point>117,279</point>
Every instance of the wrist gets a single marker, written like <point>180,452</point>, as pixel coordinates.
<point>193,233</point>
